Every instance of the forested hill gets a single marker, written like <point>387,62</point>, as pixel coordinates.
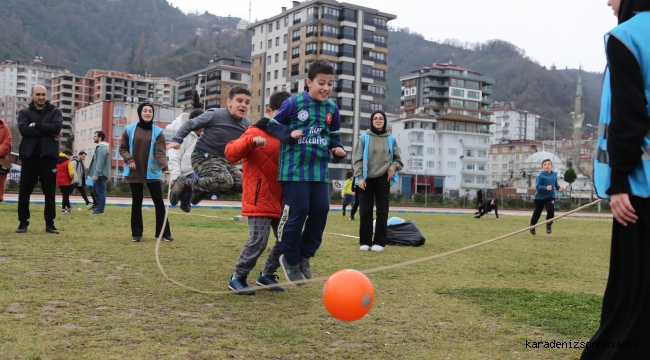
<point>153,36</point>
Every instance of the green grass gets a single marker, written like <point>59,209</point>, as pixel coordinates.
<point>91,293</point>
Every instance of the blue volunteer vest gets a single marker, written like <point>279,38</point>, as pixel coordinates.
<point>632,33</point>
<point>153,170</point>
<point>366,143</point>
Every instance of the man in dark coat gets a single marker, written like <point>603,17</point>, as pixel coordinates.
<point>40,125</point>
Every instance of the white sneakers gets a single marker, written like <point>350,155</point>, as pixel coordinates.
<point>376,248</point>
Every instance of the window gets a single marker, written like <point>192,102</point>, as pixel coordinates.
<point>505,149</point>
<point>295,52</point>
<point>457,92</point>
<point>451,151</point>
<point>469,153</point>
<point>118,110</point>
<point>268,76</point>
<point>270,44</point>
<point>331,30</point>
<point>310,49</point>
<point>295,36</point>
<point>496,149</point>
<point>457,82</point>
<point>524,157</point>
<point>430,164</point>
<point>312,12</point>
<point>284,55</point>
<point>262,28</point>
<point>253,49</point>
<point>235,76</point>
<point>275,74</point>
<point>284,72</point>
<point>277,25</point>
<point>331,13</point>
<point>481,167</point>
<point>504,166</point>
<point>525,147</point>
<point>268,92</point>
<point>430,151</point>
<point>286,22</point>
<point>268,60</point>
<point>270,27</point>
<point>285,38</point>
<point>277,57</point>
<point>504,158</point>
<point>277,41</point>
<point>451,178</point>
<point>329,49</point>
<point>495,167</point>
<point>456,103</point>
<point>431,138</point>
<point>296,18</point>
<point>473,94</point>
<point>495,158</point>
<point>452,138</point>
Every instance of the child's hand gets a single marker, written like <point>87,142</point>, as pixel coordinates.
<point>561,189</point>
<point>296,134</point>
<point>338,151</point>
<point>173,145</point>
<point>549,187</point>
<point>259,141</point>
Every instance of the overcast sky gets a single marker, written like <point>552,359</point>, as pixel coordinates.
<point>564,32</point>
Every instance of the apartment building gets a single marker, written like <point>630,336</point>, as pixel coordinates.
<point>446,88</point>
<point>215,82</point>
<point>16,81</point>
<point>443,155</point>
<point>353,38</point>
<point>509,161</point>
<point>71,93</point>
<point>512,124</point>
<point>111,117</point>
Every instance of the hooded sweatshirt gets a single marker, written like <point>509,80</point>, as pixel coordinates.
<point>5,139</point>
<point>545,179</point>
<point>378,156</point>
<point>64,170</point>
<point>180,161</point>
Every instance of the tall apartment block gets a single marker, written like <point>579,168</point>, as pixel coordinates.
<point>215,82</point>
<point>70,92</point>
<point>512,124</point>
<point>16,81</point>
<point>446,88</point>
<point>353,38</point>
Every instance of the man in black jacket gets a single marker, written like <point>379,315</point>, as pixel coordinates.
<point>40,125</point>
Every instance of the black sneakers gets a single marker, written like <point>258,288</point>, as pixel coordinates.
<point>51,229</point>
<point>22,228</point>
<point>548,229</point>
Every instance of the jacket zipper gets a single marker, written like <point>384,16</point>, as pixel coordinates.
<point>257,190</point>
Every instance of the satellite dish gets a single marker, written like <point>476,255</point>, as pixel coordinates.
<point>151,100</point>
<point>129,99</point>
<point>136,100</point>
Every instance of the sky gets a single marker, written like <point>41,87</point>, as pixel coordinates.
<point>567,33</point>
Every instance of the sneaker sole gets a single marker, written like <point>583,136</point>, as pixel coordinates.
<point>252,292</point>
<point>276,287</point>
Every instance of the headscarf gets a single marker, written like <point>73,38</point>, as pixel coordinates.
<point>146,125</point>
<point>372,127</point>
<point>629,8</point>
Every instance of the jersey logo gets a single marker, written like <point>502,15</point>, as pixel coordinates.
<point>303,115</point>
<point>329,118</point>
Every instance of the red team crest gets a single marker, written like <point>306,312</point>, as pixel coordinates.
<point>329,118</point>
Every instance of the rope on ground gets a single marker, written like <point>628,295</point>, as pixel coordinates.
<point>369,271</point>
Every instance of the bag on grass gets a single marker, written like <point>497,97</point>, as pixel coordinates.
<point>405,234</point>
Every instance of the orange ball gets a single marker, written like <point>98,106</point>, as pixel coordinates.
<point>348,295</point>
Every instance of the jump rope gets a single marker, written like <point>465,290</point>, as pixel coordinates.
<point>369,271</point>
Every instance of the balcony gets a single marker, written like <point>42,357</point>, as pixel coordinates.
<point>214,77</point>
<point>438,94</point>
<point>487,100</point>
<point>331,17</point>
<point>436,83</point>
<point>330,34</point>
<point>295,38</point>
<point>213,92</point>
<point>185,86</point>
<point>487,89</point>
<point>370,93</point>
<point>370,58</point>
<point>344,89</point>
<point>311,33</point>
<point>296,21</point>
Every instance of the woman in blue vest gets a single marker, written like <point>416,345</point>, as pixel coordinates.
<point>622,174</point>
<point>376,160</point>
<point>143,150</point>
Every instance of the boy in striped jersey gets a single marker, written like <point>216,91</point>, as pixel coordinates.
<point>308,126</point>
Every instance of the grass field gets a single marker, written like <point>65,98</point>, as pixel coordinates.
<point>91,293</point>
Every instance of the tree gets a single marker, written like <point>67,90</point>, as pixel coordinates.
<point>570,176</point>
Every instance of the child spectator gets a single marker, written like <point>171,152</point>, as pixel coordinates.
<point>545,195</point>
<point>64,176</point>
<point>261,199</point>
<point>308,125</point>
<point>490,204</point>
<point>348,195</point>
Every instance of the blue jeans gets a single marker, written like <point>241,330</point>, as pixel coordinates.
<point>186,197</point>
<point>99,193</point>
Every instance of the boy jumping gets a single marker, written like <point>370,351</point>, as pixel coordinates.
<point>545,195</point>
<point>308,125</point>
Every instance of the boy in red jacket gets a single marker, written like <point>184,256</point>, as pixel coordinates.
<point>261,199</point>
<point>64,176</point>
<point>5,150</point>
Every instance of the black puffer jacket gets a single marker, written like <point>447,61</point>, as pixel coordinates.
<point>41,137</point>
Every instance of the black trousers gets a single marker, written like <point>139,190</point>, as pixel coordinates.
<point>137,194</point>
<point>355,206</point>
<point>82,192</point>
<point>32,171</point>
<point>377,191</point>
<point>539,206</point>
<point>625,317</point>
<point>65,194</point>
